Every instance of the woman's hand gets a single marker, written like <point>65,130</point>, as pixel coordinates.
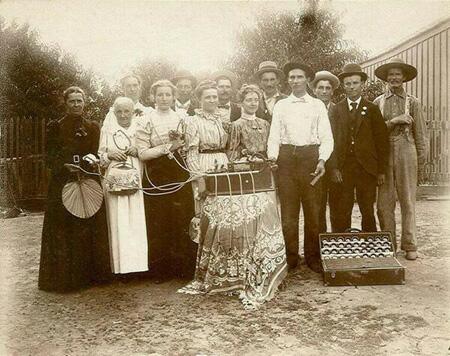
<point>132,151</point>
<point>176,144</point>
<point>117,156</point>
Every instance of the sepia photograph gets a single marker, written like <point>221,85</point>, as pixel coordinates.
<point>212,177</point>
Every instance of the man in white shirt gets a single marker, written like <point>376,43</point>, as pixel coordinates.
<point>185,83</point>
<point>301,141</point>
<point>132,88</point>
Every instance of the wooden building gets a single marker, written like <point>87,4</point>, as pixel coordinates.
<point>428,51</point>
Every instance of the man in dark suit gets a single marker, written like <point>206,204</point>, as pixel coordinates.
<point>360,152</point>
<point>268,77</point>
<point>185,83</point>
<point>323,86</point>
<point>227,83</point>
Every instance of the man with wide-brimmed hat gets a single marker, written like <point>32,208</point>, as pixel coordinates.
<point>185,83</point>
<point>301,141</point>
<point>268,78</point>
<point>407,135</point>
<point>323,86</point>
<point>361,152</point>
<point>227,82</point>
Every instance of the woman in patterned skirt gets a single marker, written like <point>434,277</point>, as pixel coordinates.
<point>241,246</point>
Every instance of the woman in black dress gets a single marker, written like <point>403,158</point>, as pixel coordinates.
<point>168,211</point>
<point>74,251</point>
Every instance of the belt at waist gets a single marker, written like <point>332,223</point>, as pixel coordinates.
<point>211,151</point>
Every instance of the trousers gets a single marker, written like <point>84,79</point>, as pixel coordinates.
<point>296,163</point>
<point>401,182</point>
<point>342,197</point>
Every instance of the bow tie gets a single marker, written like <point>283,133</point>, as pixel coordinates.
<point>226,106</point>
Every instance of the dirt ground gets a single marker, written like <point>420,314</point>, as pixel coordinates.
<point>307,318</point>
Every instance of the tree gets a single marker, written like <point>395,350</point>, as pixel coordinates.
<point>151,70</point>
<point>34,76</point>
<point>313,35</point>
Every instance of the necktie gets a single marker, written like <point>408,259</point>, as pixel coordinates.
<point>352,123</point>
<point>226,106</point>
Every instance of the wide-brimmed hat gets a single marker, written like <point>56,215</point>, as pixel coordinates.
<point>184,74</point>
<point>408,70</point>
<point>296,65</point>
<point>352,69</point>
<point>324,75</point>
<point>226,74</point>
<point>268,67</point>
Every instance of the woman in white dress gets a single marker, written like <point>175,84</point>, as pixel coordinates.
<point>126,214</point>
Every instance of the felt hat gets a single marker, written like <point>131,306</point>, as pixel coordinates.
<point>408,70</point>
<point>296,65</point>
<point>324,75</point>
<point>352,69</point>
<point>268,67</point>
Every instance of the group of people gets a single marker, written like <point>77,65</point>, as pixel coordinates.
<point>245,244</point>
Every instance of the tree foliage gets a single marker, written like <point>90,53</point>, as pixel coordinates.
<point>151,70</point>
<point>313,35</point>
<point>34,76</point>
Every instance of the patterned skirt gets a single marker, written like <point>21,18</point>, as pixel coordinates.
<point>241,248</point>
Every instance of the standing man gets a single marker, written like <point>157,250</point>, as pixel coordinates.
<point>407,137</point>
<point>132,88</point>
<point>185,83</point>
<point>226,83</point>
<point>301,141</point>
<point>323,86</point>
<point>268,76</point>
<point>361,152</point>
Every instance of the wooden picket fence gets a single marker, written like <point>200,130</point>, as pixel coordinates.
<point>24,174</point>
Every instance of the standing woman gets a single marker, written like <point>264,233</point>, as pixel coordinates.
<point>125,212</point>
<point>249,133</point>
<point>74,251</point>
<point>168,209</point>
<point>241,247</point>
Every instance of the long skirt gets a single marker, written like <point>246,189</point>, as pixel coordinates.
<point>171,252</point>
<point>74,251</point>
<point>127,232</point>
<point>241,248</point>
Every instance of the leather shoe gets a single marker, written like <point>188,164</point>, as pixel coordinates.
<point>411,255</point>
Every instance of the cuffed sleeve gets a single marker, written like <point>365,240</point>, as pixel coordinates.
<point>234,150</point>
<point>192,140</point>
<point>143,143</point>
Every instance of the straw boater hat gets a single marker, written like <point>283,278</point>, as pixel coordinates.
<point>352,69</point>
<point>296,65</point>
<point>184,74</point>
<point>225,74</point>
<point>325,75</point>
<point>268,67</point>
<point>408,70</point>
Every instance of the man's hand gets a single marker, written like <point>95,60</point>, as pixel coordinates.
<point>336,176</point>
<point>402,119</point>
<point>117,156</point>
<point>380,179</point>
<point>320,169</point>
